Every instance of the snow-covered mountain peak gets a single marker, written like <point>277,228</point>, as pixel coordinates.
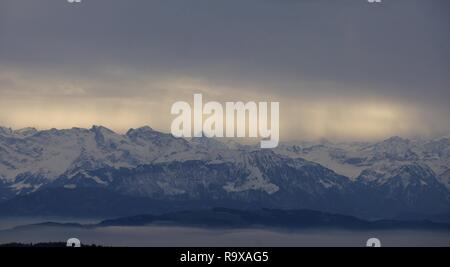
<point>5,131</point>
<point>396,139</point>
<point>392,143</point>
<point>140,131</point>
<point>148,163</point>
<point>405,173</point>
<point>26,131</point>
<point>101,130</point>
<point>394,148</point>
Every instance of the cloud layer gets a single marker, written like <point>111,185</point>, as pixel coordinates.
<point>341,69</point>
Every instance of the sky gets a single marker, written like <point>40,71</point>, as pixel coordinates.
<point>341,69</point>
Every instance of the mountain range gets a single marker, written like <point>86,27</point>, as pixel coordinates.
<point>88,172</point>
<point>225,218</point>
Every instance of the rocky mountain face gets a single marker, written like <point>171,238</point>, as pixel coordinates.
<point>365,179</point>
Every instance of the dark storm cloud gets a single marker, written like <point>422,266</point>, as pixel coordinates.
<point>397,50</point>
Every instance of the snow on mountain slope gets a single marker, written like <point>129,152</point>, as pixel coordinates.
<point>394,148</point>
<point>30,159</point>
<point>409,186</point>
<point>395,174</point>
<point>331,156</point>
<point>24,132</point>
<point>51,153</point>
<point>145,162</point>
<point>259,177</point>
<point>351,158</point>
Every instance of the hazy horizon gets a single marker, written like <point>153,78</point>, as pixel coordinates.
<point>240,140</point>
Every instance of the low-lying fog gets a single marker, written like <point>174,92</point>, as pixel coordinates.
<point>187,236</point>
